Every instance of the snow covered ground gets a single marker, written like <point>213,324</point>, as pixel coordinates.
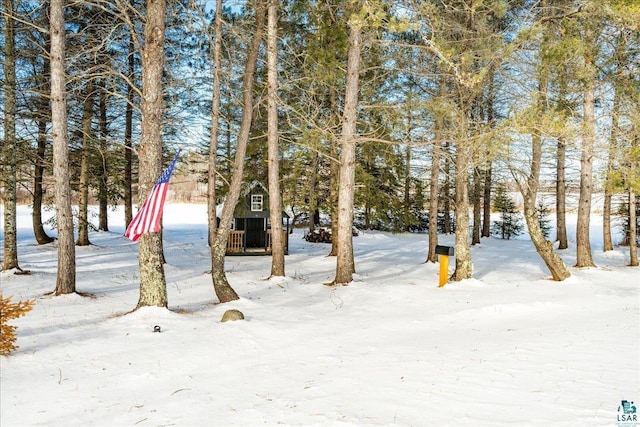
<point>508,347</point>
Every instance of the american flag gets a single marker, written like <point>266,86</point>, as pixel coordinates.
<point>147,220</point>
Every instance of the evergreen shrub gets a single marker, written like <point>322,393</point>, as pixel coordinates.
<point>510,223</point>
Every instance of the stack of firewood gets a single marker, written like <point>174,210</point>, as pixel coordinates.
<point>318,235</point>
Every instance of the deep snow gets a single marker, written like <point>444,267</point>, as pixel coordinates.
<point>508,347</point>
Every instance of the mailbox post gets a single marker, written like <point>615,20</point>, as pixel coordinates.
<point>444,252</point>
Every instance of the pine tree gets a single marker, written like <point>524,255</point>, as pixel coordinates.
<point>9,168</point>
<point>510,223</point>
<point>345,266</point>
<point>222,288</point>
<point>66,273</point>
<point>153,285</point>
<point>543,218</point>
<point>623,212</point>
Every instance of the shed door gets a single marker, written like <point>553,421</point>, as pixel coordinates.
<point>255,233</point>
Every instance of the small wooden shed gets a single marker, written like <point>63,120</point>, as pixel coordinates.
<point>251,232</point>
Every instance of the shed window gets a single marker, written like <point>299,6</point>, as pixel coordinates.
<point>256,202</point>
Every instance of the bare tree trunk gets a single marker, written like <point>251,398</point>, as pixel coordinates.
<point>275,200</point>
<point>128,146</point>
<point>66,273</point>
<point>212,217</point>
<point>223,289</point>
<point>9,194</point>
<point>345,265</point>
<point>83,202</point>
<point>153,287</point>
<point>103,173</point>
<point>583,244</point>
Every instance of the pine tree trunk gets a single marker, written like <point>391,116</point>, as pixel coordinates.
<point>583,243</point>
<point>407,187</point>
<point>311,193</point>
<point>607,241</point>
<point>634,168</point>
<point>434,189</point>
<point>561,196</point>
<point>212,217</point>
<point>275,202</point>
<point>38,171</point>
<point>66,273</point>
<point>477,209</point>
<point>43,114</point>
<point>83,202</point>
<point>334,179</point>
<point>446,190</point>
<point>223,289</point>
<point>221,286</point>
<point>612,148</point>
<point>486,201</point>
<point>561,186</point>
<point>153,287</point>
<point>464,266</point>
<point>408,155</point>
<point>345,265</point>
<point>9,194</point>
<point>128,146</point>
<point>486,198</point>
<point>529,191</point>
<point>476,116</point>
<point>633,232</point>
<point>554,263</point>
<point>103,173</point>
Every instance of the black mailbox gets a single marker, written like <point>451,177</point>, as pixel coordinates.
<point>445,250</point>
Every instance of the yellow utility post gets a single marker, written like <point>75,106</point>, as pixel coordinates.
<point>444,252</point>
